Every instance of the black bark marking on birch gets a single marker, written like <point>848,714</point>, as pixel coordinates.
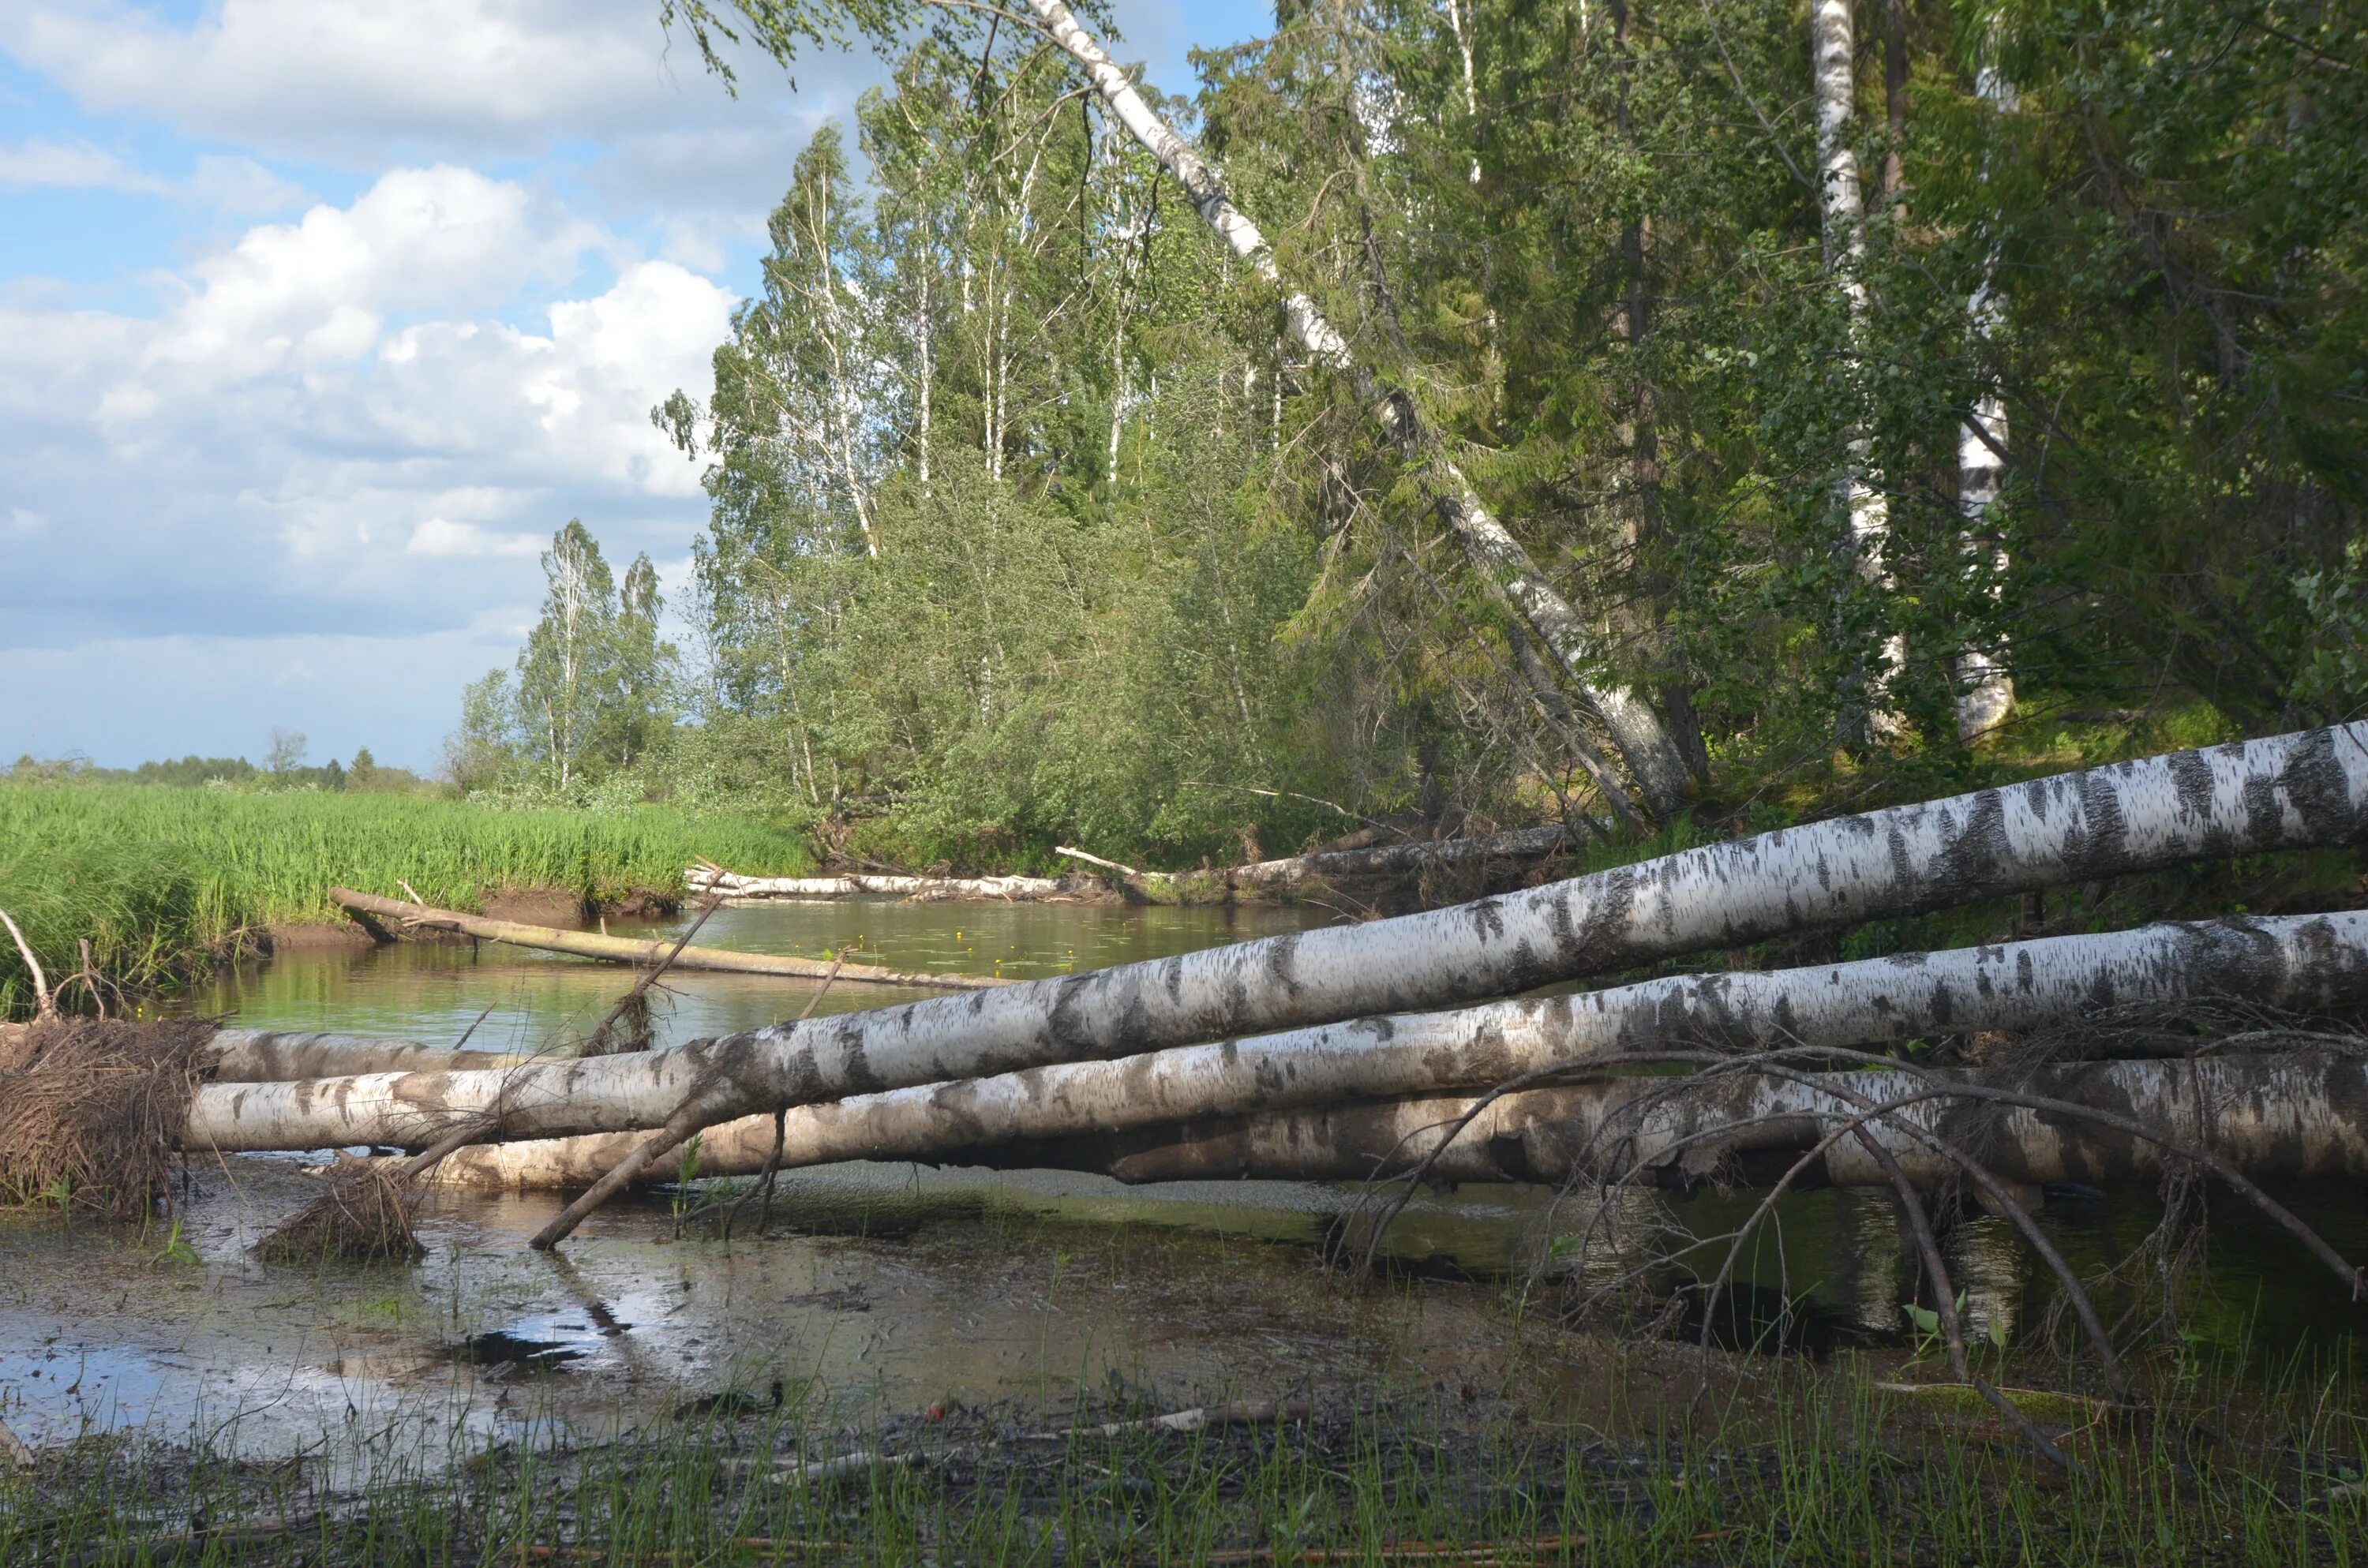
<point>2319,790</point>
<point>1564,927</point>
<point>856,1067</point>
<point>2190,780</point>
<point>2108,828</point>
<point>1488,917</point>
<point>2024,982</point>
<point>1602,939</point>
<point>1171,975</point>
<point>1971,850</point>
<point>1282,967</point>
<point>1943,1005</point>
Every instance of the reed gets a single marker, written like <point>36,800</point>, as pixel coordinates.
<point>160,879</point>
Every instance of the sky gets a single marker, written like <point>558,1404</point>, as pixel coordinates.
<point>316,320</point>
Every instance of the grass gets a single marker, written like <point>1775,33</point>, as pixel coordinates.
<point>2234,1474</point>
<point>157,879</point>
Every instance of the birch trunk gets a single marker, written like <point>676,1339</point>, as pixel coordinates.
<point>2309,964</point>
<point>2284,1117</point>
<point>731,884</point>
<point>2289,792</point>
<point>1843,229</point>
<point>1984,690</point>
<point>278,1056</point>
<point>1502,564</point>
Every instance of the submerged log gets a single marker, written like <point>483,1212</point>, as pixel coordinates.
<point>731,884</point>
<point>625,949</point>
<point>2289,792</point>
<point>2311,964</point>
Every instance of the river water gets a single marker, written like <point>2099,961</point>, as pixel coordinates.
<point>896,1287</point>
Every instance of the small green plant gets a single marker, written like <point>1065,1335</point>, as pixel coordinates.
<point>175,1253</point>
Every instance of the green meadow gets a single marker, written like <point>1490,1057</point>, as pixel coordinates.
<point>160,879</point>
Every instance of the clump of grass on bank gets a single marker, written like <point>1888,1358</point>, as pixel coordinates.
<point>1797,1464</point>
<point>157,879</point>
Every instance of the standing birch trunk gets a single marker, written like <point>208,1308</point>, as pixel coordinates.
<point>2115,984</point>
<point>1984,690</point>
<point>1865,712</point>
<point>2307,789</point>
<point>1504,567</point>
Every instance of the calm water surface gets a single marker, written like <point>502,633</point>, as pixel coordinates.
<point>897,1286</point>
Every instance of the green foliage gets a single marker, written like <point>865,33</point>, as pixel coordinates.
<point>1029,523</point>
<point>157,879</point>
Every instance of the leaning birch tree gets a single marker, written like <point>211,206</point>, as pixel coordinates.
<point>1500,562</point>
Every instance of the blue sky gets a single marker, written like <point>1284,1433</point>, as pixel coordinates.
<point>316,319</point>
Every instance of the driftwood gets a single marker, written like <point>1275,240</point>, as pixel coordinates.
<point>625,949</point>
<point>731,884</point>
<point>1404,860</point>
<point>2307,965</point>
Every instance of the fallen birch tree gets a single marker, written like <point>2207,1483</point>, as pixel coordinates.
<point>2289,1117</point>
<point>2306,965</point>
<point>1408,858</point>
<point>2286,792</point>
<point>625,949</point>
<point>277,1056</point>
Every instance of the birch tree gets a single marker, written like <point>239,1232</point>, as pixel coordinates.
<point>1863,507</point>
<point>1985,689</point>
<point>560,670</point>
<point>2294,790</point>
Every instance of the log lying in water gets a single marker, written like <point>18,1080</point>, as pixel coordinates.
<point>1405,859</point>
<point>2303,964</point>
<point>731,884</point>
<point>278,1056</point>
<point>625,949</point>
<point>2289,792</point>
<point>2282,1117</point>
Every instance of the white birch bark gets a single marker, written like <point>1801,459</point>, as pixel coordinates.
<point>273,1056</point>
<point>732,885</point>
<point>2308,789</point>
<point>2290,1117</point>
<point>1502,564</point>
<point>1843,211</point>
<point>2302,964</point>
<point>1984,691</point>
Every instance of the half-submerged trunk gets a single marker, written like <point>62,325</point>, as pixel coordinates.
<point>2288,791</point>
<point>2113,983</point>
<point>1503,567</point>
<point>2282,1118</point>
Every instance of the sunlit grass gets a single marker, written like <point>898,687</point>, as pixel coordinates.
<point>155,878</point>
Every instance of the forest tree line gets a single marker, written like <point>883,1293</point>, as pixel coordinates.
<point>1888,392</point>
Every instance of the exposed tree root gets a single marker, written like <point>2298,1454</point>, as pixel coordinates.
<point>364,1217</point>
<point>92,1111</point>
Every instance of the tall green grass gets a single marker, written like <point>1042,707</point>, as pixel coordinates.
<point>156,879</point>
